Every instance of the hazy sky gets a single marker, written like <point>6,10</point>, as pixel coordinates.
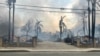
<point>46,17</point>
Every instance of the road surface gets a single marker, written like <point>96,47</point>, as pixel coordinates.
<point>49,54</point>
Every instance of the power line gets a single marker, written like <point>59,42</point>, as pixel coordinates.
<point>46,10</point>
<point>45,7</point>
<point>52,11</point>
<point>50,7</point>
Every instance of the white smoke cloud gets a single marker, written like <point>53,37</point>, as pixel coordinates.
<point>81,4</point>
<point>50,20</point>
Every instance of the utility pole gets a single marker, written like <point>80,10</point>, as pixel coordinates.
<point>13,20</point>
<point>9,29</point>
<point>93,20</point>
<point>89,19</point>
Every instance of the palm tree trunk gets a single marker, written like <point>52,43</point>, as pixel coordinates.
<point>60,33</point>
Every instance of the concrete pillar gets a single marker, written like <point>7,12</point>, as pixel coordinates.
<point>1,43</point>
<point>95,44</point>
<point>34,41</point>
<point>18,41</point>
<point>78,42</point>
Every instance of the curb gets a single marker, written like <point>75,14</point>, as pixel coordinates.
<point>49,50</point>
<point>14,51</point>
<point>43,51</point>
<point>94,51</point>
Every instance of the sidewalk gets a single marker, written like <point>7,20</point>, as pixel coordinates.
<point>48,46</point>
<point>9,49</point>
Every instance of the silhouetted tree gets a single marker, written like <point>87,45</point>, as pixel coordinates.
<point>61,26</point>
<point>28,27</point>
<point>38,27</point>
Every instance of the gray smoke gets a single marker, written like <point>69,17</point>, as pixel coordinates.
<point>3,22</point>
<point>81,4</point>
<point>50,20</point>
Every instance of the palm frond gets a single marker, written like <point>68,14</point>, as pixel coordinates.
<point>63,17</point>
<point>41,25</point>
<point>64,24</point>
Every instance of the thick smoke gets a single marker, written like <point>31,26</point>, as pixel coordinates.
<point>3,22</point>
<point>81,4</point>
<point>49,20</point>
<point>46,17</point>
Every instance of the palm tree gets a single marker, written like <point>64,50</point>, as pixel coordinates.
<point>38,27</point>
<point>61,26</point>
<point>27,28</point>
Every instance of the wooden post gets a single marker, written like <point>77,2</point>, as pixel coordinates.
<point>0,42</point>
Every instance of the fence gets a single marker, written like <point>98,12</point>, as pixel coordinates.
<point>32,43</point>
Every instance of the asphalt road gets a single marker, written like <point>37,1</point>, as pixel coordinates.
<point>49,53</point>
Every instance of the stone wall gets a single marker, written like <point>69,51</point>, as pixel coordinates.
<point>0,42</point>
